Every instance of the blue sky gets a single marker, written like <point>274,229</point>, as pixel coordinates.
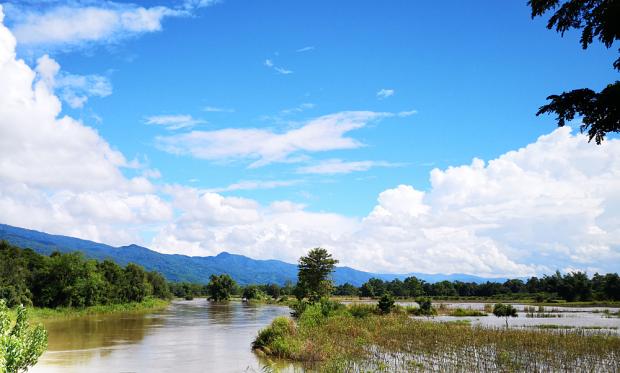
<point>433,86</point>
<point>475,74</point>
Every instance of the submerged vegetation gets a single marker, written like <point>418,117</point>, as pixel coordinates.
<point>356,338</point>
<point>329,336</point>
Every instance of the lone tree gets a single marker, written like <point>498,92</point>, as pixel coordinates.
<point>220,287</point>
<point>386,303</point>
<point>598,19</point>
<point>20,345</point>
<point>504,310</point>
<point>314,273</point>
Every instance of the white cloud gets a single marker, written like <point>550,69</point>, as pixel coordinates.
<point>406,113</point>
<point>265,146</point>
<point>73,89</point>
<point>255,184</point>
<point>174,122</point>
<point>338,166</point>
<point>385,93</point>
<point>57,174</point>
<point>305,49</point>
<point>298,109</point>
<point>282,70</point>
<point>57,24</point>
<point>553,204</point>
<point>215,109</point>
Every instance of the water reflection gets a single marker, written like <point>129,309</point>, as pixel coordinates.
<point>194,336</point>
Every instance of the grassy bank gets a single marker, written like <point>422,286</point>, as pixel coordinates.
<point>338,341</point>
<point>147,305</point>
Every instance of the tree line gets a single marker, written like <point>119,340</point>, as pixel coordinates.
<point>70,280</point>
<point>574,286</point>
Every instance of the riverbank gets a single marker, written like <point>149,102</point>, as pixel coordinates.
<point>335,339</point>
<point>148,305</point>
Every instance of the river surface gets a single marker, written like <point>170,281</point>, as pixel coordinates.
<point>189,336</point>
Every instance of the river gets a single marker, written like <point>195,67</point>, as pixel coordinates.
<point>189,336</point>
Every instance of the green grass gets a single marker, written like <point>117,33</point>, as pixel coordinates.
<point>340,341</point>
<point>461,312</point>
<point>147,305</point>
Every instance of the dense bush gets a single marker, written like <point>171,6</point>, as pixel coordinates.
<point>70,280</point>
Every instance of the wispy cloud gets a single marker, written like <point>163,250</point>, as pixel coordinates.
<point>266,146</point>
<point>174,122</point>
<point>406,113</point>
<point>305,49</point>
<point>385,93</point>
<point>279,69</point>
<point>255,184</point>
<point>298,109</point>
<point>338,166</point>
<point>68,25</point>
<point>215,109</point>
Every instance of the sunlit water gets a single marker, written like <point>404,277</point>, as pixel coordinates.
<point>190,336</point>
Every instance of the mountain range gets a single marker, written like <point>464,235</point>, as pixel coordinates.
<point>177,267</point>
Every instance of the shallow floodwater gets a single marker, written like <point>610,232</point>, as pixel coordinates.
<point>592,320</point>
<point>189,336</point>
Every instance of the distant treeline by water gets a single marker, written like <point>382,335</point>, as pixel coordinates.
<point>574,286</point>
<point>70,280</point>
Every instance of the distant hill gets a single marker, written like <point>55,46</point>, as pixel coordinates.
<point>198,269</point>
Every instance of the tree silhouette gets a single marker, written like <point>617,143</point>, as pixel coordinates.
<point>598,19</point>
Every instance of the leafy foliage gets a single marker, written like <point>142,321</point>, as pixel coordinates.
<point>221,287</point>
<point>504,310</point>
<point>20,345</point>
<point>314,273</point>
<point>386,303</point>
<point>597,19</point>
<point>70,280</point>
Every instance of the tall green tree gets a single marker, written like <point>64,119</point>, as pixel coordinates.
<point>220,287</point>
<point>314,273</point>
<point>597,19</point>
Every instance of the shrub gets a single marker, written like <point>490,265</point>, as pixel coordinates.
<point>272,340</point>
<point>504,310</point>
<point>20,345</point>
<point>386,303</point>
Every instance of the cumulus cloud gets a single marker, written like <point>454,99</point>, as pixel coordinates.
<point>552,204</point>
<point>338,166</point>
<point>57,174</point>
<point>266,146</point>
<point>174,122</point>
<point>385,93</point>
<point>73,89</point>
